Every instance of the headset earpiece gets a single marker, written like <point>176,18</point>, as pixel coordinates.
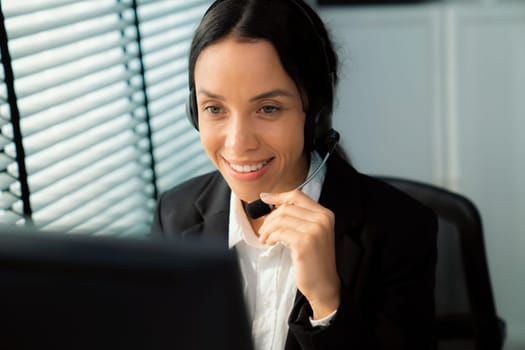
<point>317,126</point>
<point>191,109</point>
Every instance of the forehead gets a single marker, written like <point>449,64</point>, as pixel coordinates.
<point>232,47</point>
<point>237,62</point>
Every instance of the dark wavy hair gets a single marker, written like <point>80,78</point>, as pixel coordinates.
<point>300,39</point>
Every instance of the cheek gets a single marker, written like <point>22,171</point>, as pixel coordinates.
<point>295,139</point>
<point>289,131</point>
<point>210,142</point>
<point>289,144</point>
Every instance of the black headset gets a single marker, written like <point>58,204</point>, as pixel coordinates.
<point>317,125</point>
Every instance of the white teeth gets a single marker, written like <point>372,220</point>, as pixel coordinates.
<point>249,168</point>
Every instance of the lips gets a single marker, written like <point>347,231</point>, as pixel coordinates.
<point>249,168</point>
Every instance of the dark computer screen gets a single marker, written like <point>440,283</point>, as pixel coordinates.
<point>63,291</point>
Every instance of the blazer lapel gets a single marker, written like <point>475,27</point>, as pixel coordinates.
<point>342,194</point>
<point>213,205</point>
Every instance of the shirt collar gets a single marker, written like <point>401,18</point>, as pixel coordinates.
<point>239,228</point>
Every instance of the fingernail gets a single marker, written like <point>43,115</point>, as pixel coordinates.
<point>264,194</point>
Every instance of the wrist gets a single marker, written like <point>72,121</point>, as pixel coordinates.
<point>322,307</point>
<point>323,310</point>
<point>323,322</point>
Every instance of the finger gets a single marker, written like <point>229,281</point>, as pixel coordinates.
<point>298,216</point>
<point>275,199</point>
<point>291,227</point>
<point>283,222</point>
<point>287,236</point>
<point>289,215</point>
<point>278,237</point>
<point>294,197</point>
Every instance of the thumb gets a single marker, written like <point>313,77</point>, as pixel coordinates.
<point>277,199</point>
<point>270,198</point>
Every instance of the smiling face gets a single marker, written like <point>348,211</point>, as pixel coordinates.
<point>251,117</point>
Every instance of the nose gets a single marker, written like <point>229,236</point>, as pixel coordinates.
<point>241,134</point>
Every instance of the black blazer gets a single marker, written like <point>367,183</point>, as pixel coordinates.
<point>385,252</point>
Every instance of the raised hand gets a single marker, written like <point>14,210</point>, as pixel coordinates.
<point>307,229</point>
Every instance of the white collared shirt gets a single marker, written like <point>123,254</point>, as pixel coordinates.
<point>268,273</point>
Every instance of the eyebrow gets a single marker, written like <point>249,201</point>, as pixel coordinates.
<point>211,95</point>
<point>269,94</point>
<point>273,93</point>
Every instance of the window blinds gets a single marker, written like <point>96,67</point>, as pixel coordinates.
<point>165,51</point>
<point>100,87</point>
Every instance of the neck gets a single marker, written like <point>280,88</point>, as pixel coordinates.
<point>256,224</point>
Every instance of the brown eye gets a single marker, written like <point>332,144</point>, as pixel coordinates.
<point>213,109</point>
<point>269,109</point>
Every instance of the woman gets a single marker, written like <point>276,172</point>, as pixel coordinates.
<point>341,262</point>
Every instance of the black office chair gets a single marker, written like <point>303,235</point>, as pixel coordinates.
<point>465,312</point>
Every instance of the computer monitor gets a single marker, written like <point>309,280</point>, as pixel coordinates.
<point>64,291</point>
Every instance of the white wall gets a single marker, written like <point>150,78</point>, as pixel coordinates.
<point>436,92</point>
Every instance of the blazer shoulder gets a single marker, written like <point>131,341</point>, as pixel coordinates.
<point>190,189</point>
<point>369,195</point>
<point>392,207</point>
<point>382,194</point>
